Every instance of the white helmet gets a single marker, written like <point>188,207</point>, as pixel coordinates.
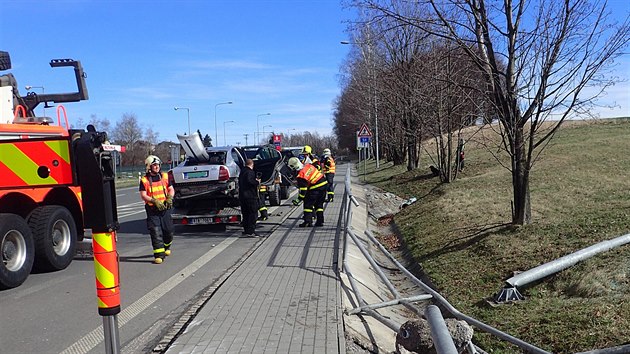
<point>295,164</point>
<point>327,152</point>
<point>151,160</point>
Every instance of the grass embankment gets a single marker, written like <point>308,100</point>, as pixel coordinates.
<point>580,195</point>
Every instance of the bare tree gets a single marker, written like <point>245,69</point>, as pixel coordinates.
<point>452,98</point>
<point>541,60</point>
<point>151,137</point>
<point>79,124</point>
<point>127,132</point>
<point>101,124</point>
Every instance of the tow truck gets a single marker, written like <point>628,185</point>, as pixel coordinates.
<point>55,180</point>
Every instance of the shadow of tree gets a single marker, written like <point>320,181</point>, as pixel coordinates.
<point>472,235</point>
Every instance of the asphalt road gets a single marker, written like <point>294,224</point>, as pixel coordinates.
<point>57,312</point>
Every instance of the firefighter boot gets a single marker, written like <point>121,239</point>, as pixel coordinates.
<point>320,219</point>
<point>158,260</point>
<point>306,224</point>
<point>264,215</point>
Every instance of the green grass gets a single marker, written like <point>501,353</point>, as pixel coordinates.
<point>127,182</point>
<point>580,195</point>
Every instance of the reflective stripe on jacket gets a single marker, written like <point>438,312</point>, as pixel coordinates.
<point>329,165</point>
<point>156,190</point>
<point>309,178</point>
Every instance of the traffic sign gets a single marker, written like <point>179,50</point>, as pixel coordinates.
<point>363,142</point>
<point>364,132</point>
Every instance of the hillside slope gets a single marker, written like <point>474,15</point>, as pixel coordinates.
<point>580,195</point>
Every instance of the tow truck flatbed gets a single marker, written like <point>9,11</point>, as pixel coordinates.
<point>225,216</point>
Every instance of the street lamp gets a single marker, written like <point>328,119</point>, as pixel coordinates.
<point>263,131</point>
<point>257,126</point>
<point>372,73</point>
<point>216,131</point>
<point>224,139</point>
<point>188,114</point>
<point>286,137</point>
<point>29,87</point>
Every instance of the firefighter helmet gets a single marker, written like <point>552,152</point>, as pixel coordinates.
<point>307,149</point>
<point>152,160</point>
<point>327,152</point>
<point>295,164</point>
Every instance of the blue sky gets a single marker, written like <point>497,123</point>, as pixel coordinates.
<point>146,57</point>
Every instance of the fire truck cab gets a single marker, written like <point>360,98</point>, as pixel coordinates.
<point>44,169</point>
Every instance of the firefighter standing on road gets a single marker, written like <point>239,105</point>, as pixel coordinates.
<point>312,184</point>
<point>328,163</point>
<point>157,194</point>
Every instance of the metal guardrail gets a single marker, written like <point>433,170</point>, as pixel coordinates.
<point>434,317</point>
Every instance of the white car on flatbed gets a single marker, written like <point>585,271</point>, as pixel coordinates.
<point>206,183</point>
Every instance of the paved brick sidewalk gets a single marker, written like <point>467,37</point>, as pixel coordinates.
<point>284,298</point>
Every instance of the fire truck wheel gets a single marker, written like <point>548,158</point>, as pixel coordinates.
<point>55,236</point>
<point>16,250</point>
<point>274,197</point>
<point>284,192</point>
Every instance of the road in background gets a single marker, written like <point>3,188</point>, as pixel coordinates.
<point>57,312</point>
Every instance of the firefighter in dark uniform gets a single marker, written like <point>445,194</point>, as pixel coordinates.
<point>262,205</point>
<point>313,186</point>
<point>157,193</point>
<point>264,211</point>
<point>328,163</point>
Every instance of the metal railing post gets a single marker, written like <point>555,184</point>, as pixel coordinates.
<point>442,340</point>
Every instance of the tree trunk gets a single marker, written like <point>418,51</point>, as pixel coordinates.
<point>520,182</point>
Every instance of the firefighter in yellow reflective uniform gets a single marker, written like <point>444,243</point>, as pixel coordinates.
<point>312,185</point>
<point>328,167</point>
<point>307,157</point>
<point>157,194</point>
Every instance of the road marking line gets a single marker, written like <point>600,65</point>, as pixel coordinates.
<point>94,338</point>
<point>131,213</point>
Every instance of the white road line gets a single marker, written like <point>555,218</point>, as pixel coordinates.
<point>129,214</point>
<point>94,338</point>
<point>130,209</point>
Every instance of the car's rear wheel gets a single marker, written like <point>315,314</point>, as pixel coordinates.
<point>284,192</point>
<point>274,197</point>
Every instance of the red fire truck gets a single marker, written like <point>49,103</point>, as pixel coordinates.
<point>54,180</point>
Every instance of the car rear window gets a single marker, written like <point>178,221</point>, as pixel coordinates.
<point>250,154</point>
<point>214,158</point>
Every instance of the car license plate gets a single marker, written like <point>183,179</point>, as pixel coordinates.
<point>201,221</point>
<point>196,174</point>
